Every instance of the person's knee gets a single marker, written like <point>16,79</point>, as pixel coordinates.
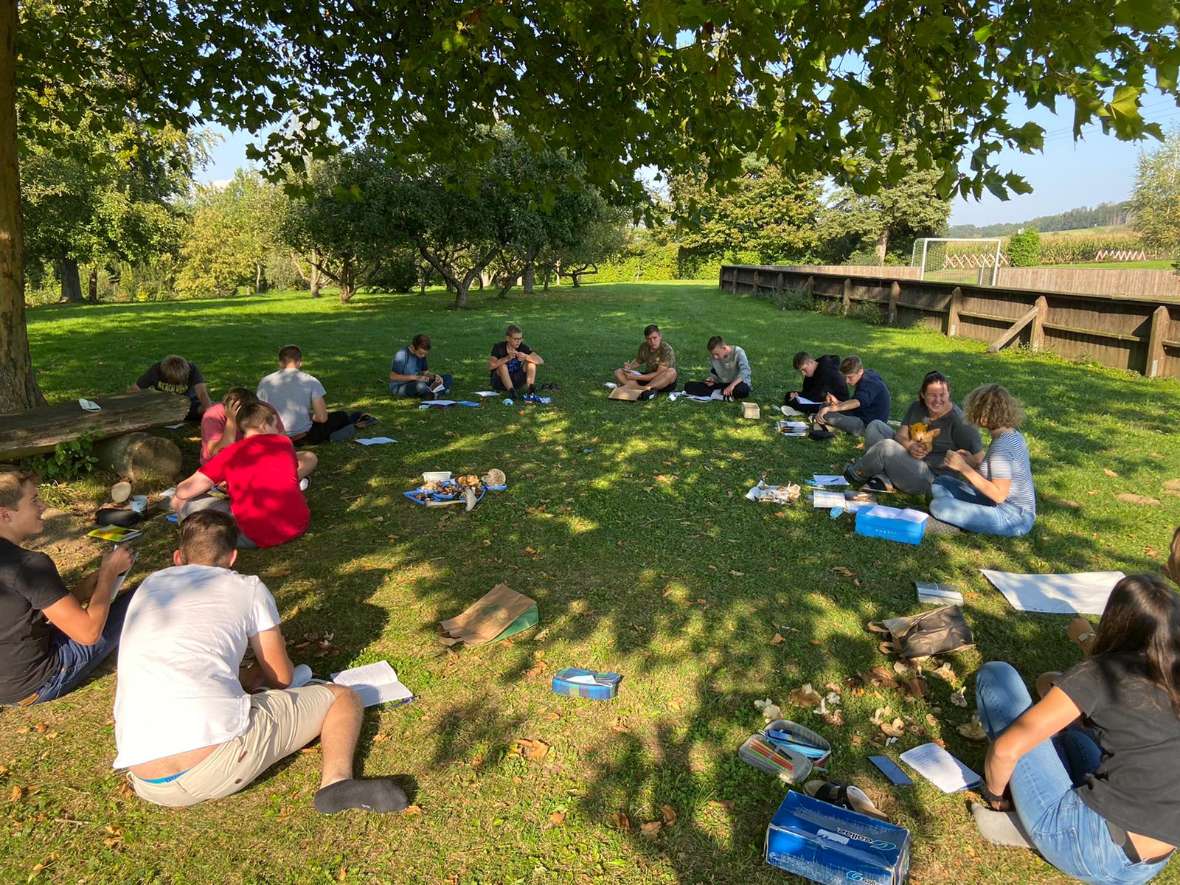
<point>996,674</point>
<point>344,698</point>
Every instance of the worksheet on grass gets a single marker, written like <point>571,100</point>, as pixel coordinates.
<point>376,440</point>
<point>804,401</point>
<point>940,768</point>
<point>1084,593</point>
<point>375,683</point>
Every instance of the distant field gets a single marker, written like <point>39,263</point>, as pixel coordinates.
<point>1151,264</point>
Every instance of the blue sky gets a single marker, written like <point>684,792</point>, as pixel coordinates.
<point>1097,169</point>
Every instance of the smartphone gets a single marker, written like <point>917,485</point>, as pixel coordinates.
<point>891,770</point>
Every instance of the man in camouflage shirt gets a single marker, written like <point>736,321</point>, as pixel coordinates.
<point>654,368</point>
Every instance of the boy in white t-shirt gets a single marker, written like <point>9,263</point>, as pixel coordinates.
<point>298,397</point>
<point>185,726</point>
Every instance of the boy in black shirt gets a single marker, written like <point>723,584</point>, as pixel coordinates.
<point>175,374</point>
<point>820,377</point>
<point>513,364</point>
<point>49,643</point>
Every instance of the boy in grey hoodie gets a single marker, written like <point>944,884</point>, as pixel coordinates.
<point>729,372</point>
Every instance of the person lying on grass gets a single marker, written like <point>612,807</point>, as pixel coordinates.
<point>261,476</point>
<point>513,364</point>
<point>408,375</point>
<point>911,459</point>
<point>175,374</point>
<point>870,402</point>
<point>996,494</point>
<point>299,399</point>
<point>654,368</point>
<point>186,727</point>
<point>729,372</point>
<point>821,379</point>
<point>1091,769</point>
<point>49,643</point>
<point>219,428</point>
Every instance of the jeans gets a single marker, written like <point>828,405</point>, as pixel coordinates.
<point>958,503</point>
<point>1067,832</point>
<point>78,660</point>
<point>889,458</point>
<point>209,502</point>
<point>419,389</point>
<point>844,421</point>
<point>741,390</point>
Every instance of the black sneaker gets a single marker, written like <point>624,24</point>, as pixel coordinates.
<point>877,484</point>
<point>852,476</point>
<point>650,393</point>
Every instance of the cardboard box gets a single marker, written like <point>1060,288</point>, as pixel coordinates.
<point>892,524</point>
<point>751,410</point>
<point>826,843</point>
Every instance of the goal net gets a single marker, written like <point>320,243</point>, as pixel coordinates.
<point>959,260</point>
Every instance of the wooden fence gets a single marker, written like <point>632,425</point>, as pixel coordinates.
<point>1093,281</point>
<point>1141,334</point>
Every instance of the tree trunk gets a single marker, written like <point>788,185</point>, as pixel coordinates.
<point>347,280</point>
<point>71,282</point>
<point>257,277</point>
<point>18,389</point>
<point>530,275</point>
<point>92,285</point>
<point>140,456</point>
<point>882,245</point>
<point>461,290</point>
<point>315,281</point>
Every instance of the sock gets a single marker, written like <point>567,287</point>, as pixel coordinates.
<point>379,794</point>
<point>532,389</point>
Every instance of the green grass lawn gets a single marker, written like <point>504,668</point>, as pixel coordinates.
<point>626,522</point>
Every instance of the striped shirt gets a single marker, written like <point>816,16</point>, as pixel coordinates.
<point>1007,458</point>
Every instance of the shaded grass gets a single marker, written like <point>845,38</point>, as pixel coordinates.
<point>626,523</point>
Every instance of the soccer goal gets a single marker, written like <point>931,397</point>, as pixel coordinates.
<point>959,259</point>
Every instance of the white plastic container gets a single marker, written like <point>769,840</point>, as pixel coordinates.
<point>436,476</point>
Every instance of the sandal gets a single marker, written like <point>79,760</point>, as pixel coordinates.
<point>847,796</point>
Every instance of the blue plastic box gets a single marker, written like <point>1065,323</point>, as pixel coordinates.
<point>892,524</point>
<point>604,687</point>
<point>826,843</point>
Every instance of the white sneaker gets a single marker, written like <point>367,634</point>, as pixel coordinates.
<point>303,484</point>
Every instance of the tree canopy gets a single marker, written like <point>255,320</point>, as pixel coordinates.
<point>1156,202</point>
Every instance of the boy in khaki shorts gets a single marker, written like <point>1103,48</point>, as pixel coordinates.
<point>186,727</point>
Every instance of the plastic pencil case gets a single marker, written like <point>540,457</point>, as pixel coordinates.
<point>785,734</point>
<point>604,687</point>
<point>785,764</point>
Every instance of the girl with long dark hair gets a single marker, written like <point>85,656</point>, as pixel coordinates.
<point>1093,769</point>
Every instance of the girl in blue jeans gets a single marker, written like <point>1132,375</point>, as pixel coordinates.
<point>1093,769</point>
<point>995,495</point>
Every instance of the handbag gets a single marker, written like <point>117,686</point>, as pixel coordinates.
<point>939,631</point>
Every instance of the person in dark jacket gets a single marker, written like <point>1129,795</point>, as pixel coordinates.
<point>820,378</point>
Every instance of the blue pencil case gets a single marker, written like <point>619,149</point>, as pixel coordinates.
<point>575,682</point>
<point>786,735</point>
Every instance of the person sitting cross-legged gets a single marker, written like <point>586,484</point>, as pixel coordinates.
<point>187,728</point>
<point>870,402</point>
<point>1090,770</point>
<point>513,364</point>
<point>729,372</point>
<point>299,399</point>
<point>49,643</point>
<point>261,476</point>
<point>408,375</point>
<point>654,368</point>
<point>911,459</point>
<point>821,378</point>
<point>219,428</point>
<point>996,494</point>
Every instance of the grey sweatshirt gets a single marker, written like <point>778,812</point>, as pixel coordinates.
<point>731,367</point>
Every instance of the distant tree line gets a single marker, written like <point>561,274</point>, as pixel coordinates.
<point>1102,215</point>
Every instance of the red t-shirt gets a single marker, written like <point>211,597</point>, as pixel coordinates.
<point>260,473</point>
<point>213,428</point>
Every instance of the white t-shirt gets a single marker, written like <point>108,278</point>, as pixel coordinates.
<point>291,391</point>
<point>184,636</point>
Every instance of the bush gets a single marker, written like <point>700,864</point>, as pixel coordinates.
<point>69,460</point>
<point>1024,249</point>
<point>793,299</point>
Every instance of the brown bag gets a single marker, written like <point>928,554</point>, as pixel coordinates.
<point>939,631</point>
<point>487,618</point>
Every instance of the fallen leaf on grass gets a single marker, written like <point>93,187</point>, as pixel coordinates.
<point>959,699</point>
<point>669,814</point>
<point>651,829</point>
<point>557,818</point>
<point>532,551</point>
<point>16,793</point>
<point>777,639</point>
<point>805,696</point>
<point>973,731</point>
<point>412,811</point>
<point>842,570</point>
<point>834,718</point>
<point>947,675</point>
<point>620,727</point>
<point>664,479</point>
<point>894,729</point>
<point>1109,472</point>
<point>532,749</point>
<point>1150,551</point>
<point>1129,498</point>
<point>879,676</point>
<point>538,668</point>
<point>620,821</point>
<point>916,687</point>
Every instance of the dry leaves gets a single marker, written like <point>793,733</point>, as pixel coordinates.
<point>532,552</point>
<point>620,821</point>
<point>892,726</point>
<point>412,811</point>
<point>777,639</point>
<point>651,829</point>
<point>557,818</point>
<point>1109,472</point>
<point>17,793</point>
<point>915,687</point>
<point>879,676</point>
<point>958,698</point>
<point>669,814</point>
<point>973,730</point>
<point>947,675</point>
<point>1130,498</point>
<point>805,696</point>
<point>532,749</point>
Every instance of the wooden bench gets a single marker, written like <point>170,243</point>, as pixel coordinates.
<point>38,431</point>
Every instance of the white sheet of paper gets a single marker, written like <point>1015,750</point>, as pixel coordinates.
<point>789,412</point>
<point>174,426</point>
<point>940,768</point>
<point>828,500</point>
<point>1084,593</point>
<point>587,679</point>
<point>376,441</point>
<point>804,401</point>
<point>437,402</point>
<point>717,394</point>
<point>375,683</point>
<point>89,405</point>
<point>695,398</point>
<point>484,393</point>
<point>829,479</point>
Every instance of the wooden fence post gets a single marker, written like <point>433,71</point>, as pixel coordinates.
<point>756,289</point>
<point>846,301</point>
<point>1161,319</point>
<point>1037,335</point>
<point>952,314</point>
<point>809,286</point>
<point>894,296</point>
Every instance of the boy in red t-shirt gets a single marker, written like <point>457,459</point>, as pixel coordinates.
<point>219,428</point>
<point>260,472</point>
